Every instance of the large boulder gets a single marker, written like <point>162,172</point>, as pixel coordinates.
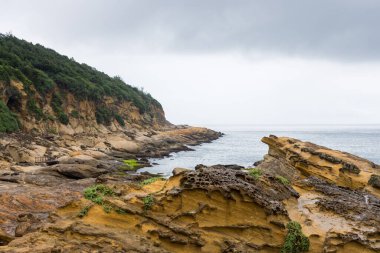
<point>78,171</point>
<point>122,144</point>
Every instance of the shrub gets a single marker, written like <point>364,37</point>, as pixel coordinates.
<point>74,114</point>
<point>8,121</point>
<point>34,109</point>
<point>255,173</point>
<point>150,180</point>
<point>295,240</point>
<point>62,117</point>
<point>56,104</point>
<point>107,208</point>
<point>119,120</point>
<point>97,192</point>
<point>103,116</point>
<point>374,181</point>
<point>282,180</point>
<point>148,202</point>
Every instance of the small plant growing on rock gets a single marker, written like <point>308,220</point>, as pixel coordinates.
<point>130,164</point>
<point>282,180</point>
<point>148,202</point>
<point>120,211</point>
<point>255,173</point>
<point>150,180</point>
<point>96,194</point>
<point>107,208</point>
<point>84,211</point>
<point>374,181</point>
<point>295,241</point>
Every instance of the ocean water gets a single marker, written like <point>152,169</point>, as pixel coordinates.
<point>242,144</point>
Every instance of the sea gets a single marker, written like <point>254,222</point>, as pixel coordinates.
<point>242,144</point>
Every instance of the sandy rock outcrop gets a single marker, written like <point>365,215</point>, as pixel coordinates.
<point>339,206</point>
<point>223,208</point>
<point>294,159</point>
<point>211,209</point>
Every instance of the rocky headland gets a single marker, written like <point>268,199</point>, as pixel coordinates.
<point>72,138</point>
<point>301,198</point>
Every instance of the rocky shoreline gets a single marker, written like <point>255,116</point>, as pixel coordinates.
<point>30,191</point>
<point>301,198</point>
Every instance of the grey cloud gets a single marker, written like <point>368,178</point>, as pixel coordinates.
<point>337,29</point>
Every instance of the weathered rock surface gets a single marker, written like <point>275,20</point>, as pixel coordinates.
<point>293,159</point>
<point>29,193</point>
<point>338,207</point>
<point>333,195</point>
<point>211,209</point>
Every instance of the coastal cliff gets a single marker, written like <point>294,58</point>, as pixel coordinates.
<point>301,198</point>
<point>45,92</point>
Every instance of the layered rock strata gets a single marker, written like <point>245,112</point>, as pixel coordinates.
<point>331,194</point>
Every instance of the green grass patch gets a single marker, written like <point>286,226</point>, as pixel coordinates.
<point>150,180</point>
<point>130,164</point>
<point>282,180</point>
<point>148,202</point>
<point>255,173</point>
<point>295,240</point>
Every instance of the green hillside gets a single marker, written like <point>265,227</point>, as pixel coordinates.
<point>48,71</point>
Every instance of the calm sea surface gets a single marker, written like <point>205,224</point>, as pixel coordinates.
<point>241,144</point>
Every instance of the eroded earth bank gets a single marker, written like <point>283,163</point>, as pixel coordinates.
<point>300,197</point>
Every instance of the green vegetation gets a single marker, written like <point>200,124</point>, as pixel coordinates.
<point>120,211</point>
<point>374,181</point>
<point>8,121</point>
<point>255,173</point>
<point>282,180</point>
<point>56,103</point>
<point>48,72</point>
<point>103,116</point>
<point>150,180</point>
<point>84,211</point>
<point>96,194</point>
<point>131,165</point>
<point>119,119</point>
<point>295,241</point>
<point>34,109</point>
<point>74,114</point>
<point>148,202</point>
<point>107,208</point>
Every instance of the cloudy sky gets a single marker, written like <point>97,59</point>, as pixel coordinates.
<point>218,61</point>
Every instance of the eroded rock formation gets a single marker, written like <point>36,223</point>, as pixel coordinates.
<point>331,194</point>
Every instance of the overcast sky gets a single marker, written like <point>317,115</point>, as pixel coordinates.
<point>218,61</point>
